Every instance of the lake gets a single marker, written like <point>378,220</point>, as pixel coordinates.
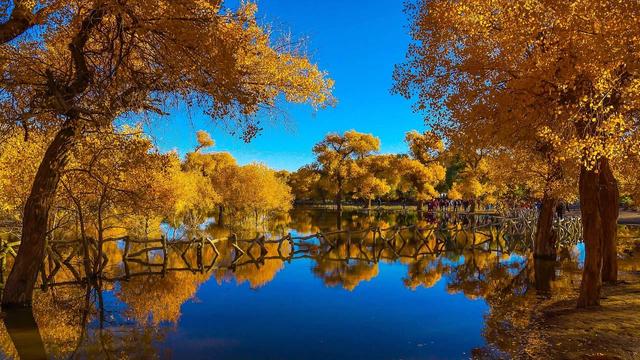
<point>376,286</point>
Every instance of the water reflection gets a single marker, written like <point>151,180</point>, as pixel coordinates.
<point>25,334</point>
<point>134,306</point>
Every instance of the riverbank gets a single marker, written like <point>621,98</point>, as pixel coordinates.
<point>626,217</point>
<point>611,331</point>
<point>558,330</point>
<point>374,208</point>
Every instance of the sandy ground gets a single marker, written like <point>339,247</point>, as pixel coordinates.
<point>626,217</point>
<point>629,217</point>
<point>612,331</point>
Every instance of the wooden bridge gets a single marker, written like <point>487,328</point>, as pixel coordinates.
<point>143,257</point>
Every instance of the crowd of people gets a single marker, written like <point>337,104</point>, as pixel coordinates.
<point>444,204</point>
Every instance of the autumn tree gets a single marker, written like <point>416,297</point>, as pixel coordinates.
<point>258,190</point>
<point>544,179</point>
<point>369,178</point>
<point>18,165</point>
<point>337,157</point>
<point>423,170</point>
<point>219,167</point>
<point>111,175</point>
<point>101,60</point>
<point>627,173</point>
<point>306,184</point>
<point>561,72</point>
<point>473,179</point>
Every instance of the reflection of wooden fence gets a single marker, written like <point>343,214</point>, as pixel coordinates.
<point>150,257</point>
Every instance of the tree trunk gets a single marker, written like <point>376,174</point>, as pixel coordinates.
<point>255,213</point>
<point>609,211</point>
<point>592,233</point>
<point>19,287</point>
<point>420,206</point>
<point>24,333</point>
<point>86,259</point>
<point>220,215</point>
<point>339,202</point>
<point>545,242</point>
<point>545,271</point>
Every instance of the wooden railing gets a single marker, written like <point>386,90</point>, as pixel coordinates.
<point>495,233</point>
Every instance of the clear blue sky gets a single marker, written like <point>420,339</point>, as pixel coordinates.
<point>358,43</point>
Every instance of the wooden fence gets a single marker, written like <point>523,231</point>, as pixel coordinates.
<point>494,233</point>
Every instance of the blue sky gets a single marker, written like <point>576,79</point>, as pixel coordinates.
<point>358,43</point>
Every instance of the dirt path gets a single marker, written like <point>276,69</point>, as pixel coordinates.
<point>611,331</point>
<point>627,217</point>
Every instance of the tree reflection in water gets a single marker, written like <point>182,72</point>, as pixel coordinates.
<point>131,304</point>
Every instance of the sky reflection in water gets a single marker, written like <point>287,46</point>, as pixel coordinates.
<point>432,308</point>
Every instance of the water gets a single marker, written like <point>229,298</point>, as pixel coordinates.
<point>327,302</point>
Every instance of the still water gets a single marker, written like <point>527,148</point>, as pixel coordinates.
<point>400,294</point>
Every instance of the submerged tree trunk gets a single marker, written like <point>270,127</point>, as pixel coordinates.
<point>592,233</point>
<point>545,270</point>
<point>19,287</point>
<point>25,335</point>
<point>546,237</point>
<point>220,215</point>
<point>599,206</point>
<point>609,211</point>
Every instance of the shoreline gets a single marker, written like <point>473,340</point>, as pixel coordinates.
<point>559,330</point>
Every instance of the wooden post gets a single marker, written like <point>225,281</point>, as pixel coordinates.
<point>348,245</point>
<point>199,255</point>
<point>43,276</point>
<point>126,247</point>
<point>165,255</point>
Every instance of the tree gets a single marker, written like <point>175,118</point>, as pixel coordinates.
<point>369,178</point>
<point>193,197</point>
<point>420,179</point>
<point>103,60</point>
<point>541,177</point>
<point>18,165</point>
<point>424,170</point>
<point>336,156</point>
<point>560,72</point>
<point>24,15</point>
<point>305,184</point>
<point>257,189</point>
<point>219,167</point>
<point>112,175</point>
<point>473,180</point>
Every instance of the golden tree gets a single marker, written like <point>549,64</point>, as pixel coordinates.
<point>306,185</point>
<point>18,165</point>
<point>112,175</point>
<point>369,178</point>
<point>424,170</point>
<point>256,189</point>
<point>101,60</point>
<point>219,167</point>
<point>337,157</point>
<point>527,70</point>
